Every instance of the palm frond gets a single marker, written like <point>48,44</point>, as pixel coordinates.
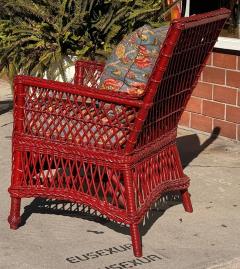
<point>39,37</point>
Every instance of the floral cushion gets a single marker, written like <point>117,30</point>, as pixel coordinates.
<point>131,63</point>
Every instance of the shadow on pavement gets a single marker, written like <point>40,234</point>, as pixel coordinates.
<point>189,148</point>
<point>65,208</point>
<point>5,106</point>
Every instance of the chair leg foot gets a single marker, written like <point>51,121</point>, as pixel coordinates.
<point>14,218</point>
<point>136,240</point>
<point>187,204</point>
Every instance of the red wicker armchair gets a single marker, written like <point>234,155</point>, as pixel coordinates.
<point>104,149</point>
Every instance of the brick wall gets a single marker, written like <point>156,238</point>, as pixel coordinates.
<point>216,99</point>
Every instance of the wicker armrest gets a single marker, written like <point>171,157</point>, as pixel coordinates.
<point>91,92</point>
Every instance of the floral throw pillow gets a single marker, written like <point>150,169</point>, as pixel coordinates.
<point>131,63</point>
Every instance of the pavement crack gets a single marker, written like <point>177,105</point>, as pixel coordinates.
<point>214,166</point>
<point>6,124</point>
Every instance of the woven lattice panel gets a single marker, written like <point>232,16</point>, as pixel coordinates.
<point>88,73</point>
<point>179,79</point>
<point>46,172</point>
<point>157,174</point>
<point>82,120</point>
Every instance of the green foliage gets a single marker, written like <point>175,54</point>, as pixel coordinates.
<point>43,37</point>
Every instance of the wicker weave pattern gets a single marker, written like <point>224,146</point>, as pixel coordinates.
<point>88,73</point>
<point>160,169</point>
<point>47,173</point>
<point>76,119</point>
<point>109,150</point>
<point>178,80</point>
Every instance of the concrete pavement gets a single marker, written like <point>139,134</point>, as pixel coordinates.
<point>5,96</point>
<point>62,235</point>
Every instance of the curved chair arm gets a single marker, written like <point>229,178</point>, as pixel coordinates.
<point>84,91</point>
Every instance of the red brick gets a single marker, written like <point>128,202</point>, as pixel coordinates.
<point>224,60</point>
<point>201,122</point>
<point>203,90</point>
<point>238,97</point>
<point>214,75</point>
<point>209,60</point>
<point>213,109</point>
<point>233,114</point>
<point>227,129</point>
<point>185,119</point>
<point>233,78</point>
<point>194,105</point>
<point>238,62</point>
<point>238,137</point>
<point>224,94</point>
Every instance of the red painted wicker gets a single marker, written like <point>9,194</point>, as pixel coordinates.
<point>103,149</point>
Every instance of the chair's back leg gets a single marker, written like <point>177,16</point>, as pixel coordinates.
<point>187,204</point>
<point>131,210</point>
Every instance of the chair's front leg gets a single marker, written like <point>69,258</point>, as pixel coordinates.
<point>132,210</point>
<point>14,218</point>
<point>136,240</point>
